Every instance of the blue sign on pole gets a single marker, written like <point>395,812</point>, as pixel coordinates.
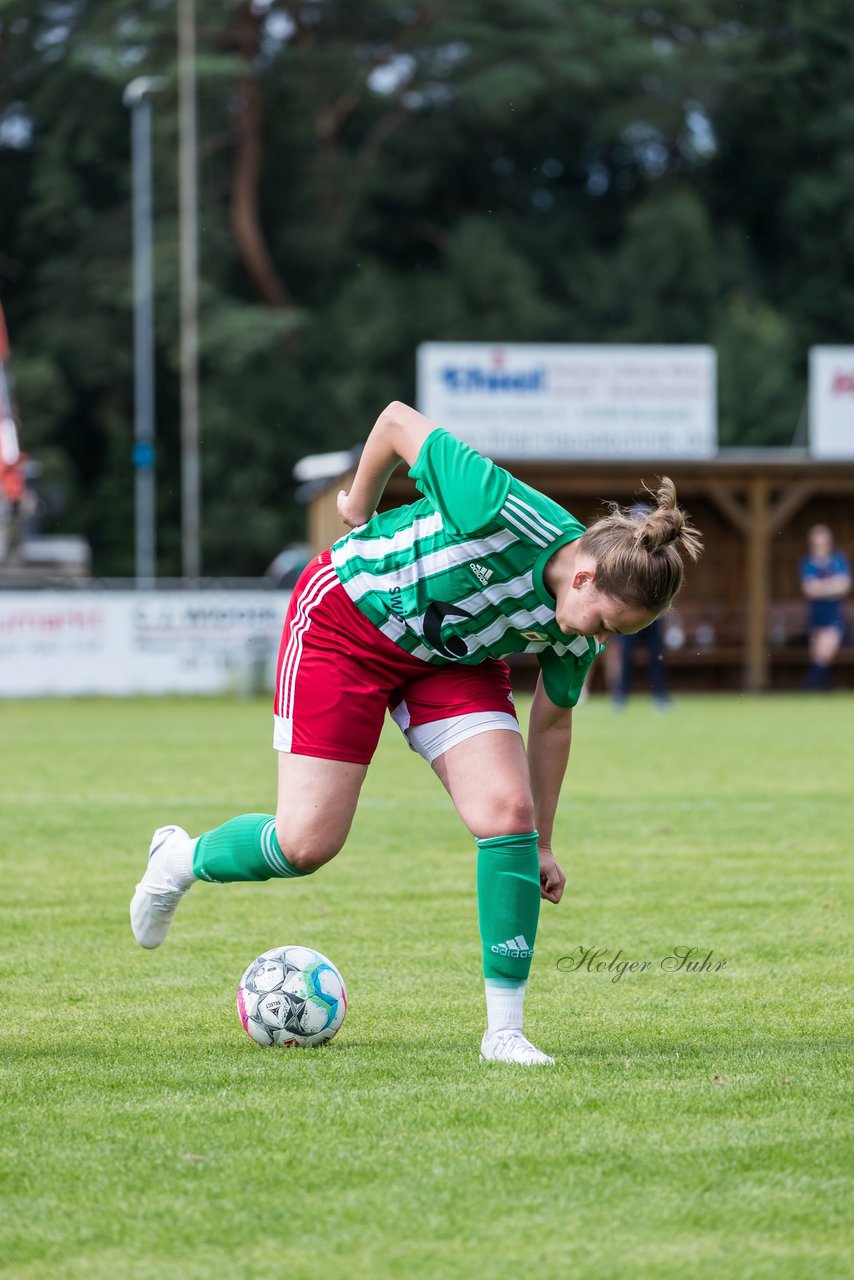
<point>143,455</point>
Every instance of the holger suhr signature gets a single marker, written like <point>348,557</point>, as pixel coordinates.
<point>679,960</point>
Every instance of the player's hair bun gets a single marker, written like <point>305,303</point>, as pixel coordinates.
<point>639,549</point>
<point>665,524</point>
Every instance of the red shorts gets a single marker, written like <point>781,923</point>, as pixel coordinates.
<point>337,675</point>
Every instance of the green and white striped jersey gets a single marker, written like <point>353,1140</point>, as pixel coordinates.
<point>458,576</point>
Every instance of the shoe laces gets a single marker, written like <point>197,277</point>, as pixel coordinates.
<point>525,1051</point>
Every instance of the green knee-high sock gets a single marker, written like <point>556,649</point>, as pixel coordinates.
<point>245,848</point>
<point>508,905</point>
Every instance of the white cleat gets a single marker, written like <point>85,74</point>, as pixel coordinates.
<point>511,1046</point>
<point>163,885</point>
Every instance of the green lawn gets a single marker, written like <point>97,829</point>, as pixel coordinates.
<point>697,1124</point>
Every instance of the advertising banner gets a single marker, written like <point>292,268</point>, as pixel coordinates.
<point>560,401</point>
<point>831,401</point>
<point>125,642</point>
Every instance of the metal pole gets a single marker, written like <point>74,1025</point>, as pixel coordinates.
<point>188,204</point>
<point>137,97</point>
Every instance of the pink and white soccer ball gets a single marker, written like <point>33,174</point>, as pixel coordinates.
<point>291,996</point>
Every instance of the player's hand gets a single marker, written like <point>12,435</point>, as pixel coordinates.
<point>351,515</point>
<point>552,879</point>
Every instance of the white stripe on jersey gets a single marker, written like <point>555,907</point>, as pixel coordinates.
<point>373,548</point>
<point>525,509</point>
<point>521,520</point>
<point>521,585</point>
<point>325,581</point>
<point>425,566</point>
<point>395,629</point>
<point>520,619</point>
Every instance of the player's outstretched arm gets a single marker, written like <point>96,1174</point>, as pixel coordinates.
<point>397,435</point>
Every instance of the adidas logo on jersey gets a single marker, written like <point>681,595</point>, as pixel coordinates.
<point>517,948</point>
<point>481,572</point>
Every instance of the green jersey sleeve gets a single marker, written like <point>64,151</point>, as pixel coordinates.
<point>563,678</point>
<point>466,489</point>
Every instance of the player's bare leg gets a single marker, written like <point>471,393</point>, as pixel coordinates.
<point>317,800</point>
<point>316,803</point>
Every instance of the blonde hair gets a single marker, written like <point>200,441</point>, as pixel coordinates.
<point>639,550</point>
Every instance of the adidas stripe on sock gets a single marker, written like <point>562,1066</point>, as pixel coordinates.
<point>246,848</point>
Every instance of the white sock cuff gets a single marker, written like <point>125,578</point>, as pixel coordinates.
<point>172,868</point>
<point>504,1006</point>
<point>183,863</point>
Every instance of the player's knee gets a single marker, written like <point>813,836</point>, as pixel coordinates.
<point>307,850</point>
<point>506,815</point>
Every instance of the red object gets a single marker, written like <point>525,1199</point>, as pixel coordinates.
<point>338,675</point>
<point>13,481</point>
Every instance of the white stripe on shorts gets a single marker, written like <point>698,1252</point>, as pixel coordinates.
<point>325,581</point>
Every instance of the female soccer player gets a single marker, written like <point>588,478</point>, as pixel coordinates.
<point>825,581</point>
<point>413,611</point>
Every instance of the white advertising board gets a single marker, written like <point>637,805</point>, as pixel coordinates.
<point>63,643</point>
<point>554,401</point>
<point>831,401</point>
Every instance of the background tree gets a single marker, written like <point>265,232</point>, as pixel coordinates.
<point>374,174</point>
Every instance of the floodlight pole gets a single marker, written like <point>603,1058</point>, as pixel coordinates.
<point>137,96</point>
<point>189,279</point>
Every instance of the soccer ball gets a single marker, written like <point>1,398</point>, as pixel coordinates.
<point>291,996</point>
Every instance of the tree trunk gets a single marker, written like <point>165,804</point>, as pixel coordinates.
<point>245,220</point>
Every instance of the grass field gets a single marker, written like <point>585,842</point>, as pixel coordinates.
<point>697,1124</point>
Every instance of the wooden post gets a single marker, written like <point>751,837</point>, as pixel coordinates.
<point>787,504</point>
<point>756,666</point>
